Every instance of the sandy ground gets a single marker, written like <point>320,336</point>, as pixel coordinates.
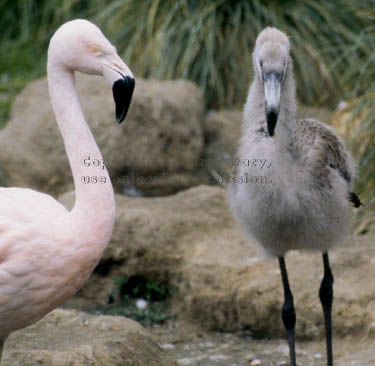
<point>192,346</point>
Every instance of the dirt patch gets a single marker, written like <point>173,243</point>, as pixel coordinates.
<point>192,346</point>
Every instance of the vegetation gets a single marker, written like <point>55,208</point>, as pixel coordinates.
<point>210,42</point>
<point>359,83</point>
<point>207,41</point>
<point>131,289</point>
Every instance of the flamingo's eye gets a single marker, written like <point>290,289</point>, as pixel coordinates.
<point>94,49</point>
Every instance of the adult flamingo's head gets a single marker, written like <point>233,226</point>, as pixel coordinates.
<point>80,45</point>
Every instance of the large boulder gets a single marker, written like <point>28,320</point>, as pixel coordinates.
<point>73,338</point>
<point>224,283</point>
<point>155,151</point>
<point>222,132</point>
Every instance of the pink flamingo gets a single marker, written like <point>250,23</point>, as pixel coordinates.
<point>46,252</point>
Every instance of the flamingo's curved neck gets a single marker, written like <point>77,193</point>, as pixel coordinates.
<point>95,205</point>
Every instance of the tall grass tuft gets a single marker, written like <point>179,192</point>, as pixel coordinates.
<point>357,82</point>
<point>25,29</point>
<point>207,41</point>
<point>210,42</point>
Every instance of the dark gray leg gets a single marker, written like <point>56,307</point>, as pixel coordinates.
<point>326,298</point>
<point>288,314</point>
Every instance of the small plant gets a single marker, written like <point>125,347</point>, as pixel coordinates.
<point>138,287</point>
<point>153,314</point>
<point>130,289</point>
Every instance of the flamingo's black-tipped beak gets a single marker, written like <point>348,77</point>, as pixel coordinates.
<point>272,98</point>
<point>122,94</point>
<point>122,81</point>
<point>272,114</point>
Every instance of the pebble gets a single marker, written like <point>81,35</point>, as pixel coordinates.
<point>206,345</point>
<point>219,357</point>
<point>141,304</point>
<point>342,104</point>
<point>255,362</point>
<point>250,357</point>
<point>190,360</point>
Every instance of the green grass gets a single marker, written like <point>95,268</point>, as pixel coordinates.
<point>17,68</point>
<point>207,41</point>
<point>130,289</point>
<point>361,143</point>
<point>211,42</point>
<point>141,287</point>
<point>358,84</point>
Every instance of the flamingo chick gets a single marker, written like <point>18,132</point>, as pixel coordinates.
<point>301,197</point>
<point>46,252</point>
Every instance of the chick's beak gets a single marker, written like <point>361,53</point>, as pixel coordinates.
<point>272,98</point>
<point>118,74</point>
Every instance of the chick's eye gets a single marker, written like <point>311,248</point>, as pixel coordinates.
<point>94,49</point>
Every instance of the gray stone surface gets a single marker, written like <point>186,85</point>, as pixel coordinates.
<point>191,240</point>
<point>73,338</point>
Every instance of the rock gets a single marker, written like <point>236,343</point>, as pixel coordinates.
<point>222,132</point>
<point>156,149</point>
<point>135,184</point>
<point>321,114</point>
<point>73,338</point>
<point>191,240</point>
